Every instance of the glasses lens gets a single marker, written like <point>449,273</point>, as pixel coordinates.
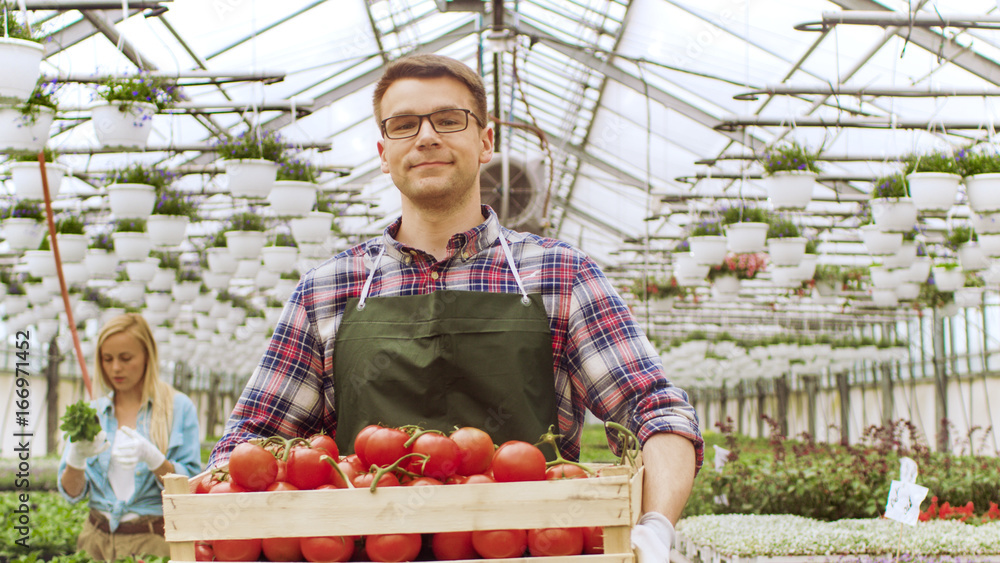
<point>402,126</point>
<point>449,120</point>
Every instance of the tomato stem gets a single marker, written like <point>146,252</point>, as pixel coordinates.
<point>551,438</point>
<point>629,443</point>
<point>394,467</point>
<point>418,433</point>
<point>336,467</point>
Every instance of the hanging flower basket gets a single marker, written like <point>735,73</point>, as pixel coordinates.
<point>22,233</point>
<point>990,245</point>
<point>907,291</point>
<point>167,230</point>
<point>220,260</point>
<point>903,257</point>
<point>983,191</point>
<point>807,267</point>
<point>972,257</point>
<point>27,178</point>
<point>21,133</point>
<point>786,251</point>
<point>894,215</point>
<point>279,259</point>
<point>879,243</point>
<point>948,277</point>
<point>185,291</point>
<point>790,189</point>
<point>216,281</point>
<point>72,247</point>
<point>100,263</point>
<point>125,125</point>
<point>22,61</point>
<point>131,201</point>
<point>920,270</point>
<point>933,191</point>
<point>290,198</point>
<point>245,244</point>
<point>884,278</point>
<point>786,276</point>
<point>743,238</point>
<point>687,270</point>
<point>131,246</point>
<point>986,223</point>
<point>250,178</point>
<point>40,263</point>
<point>884,298</point>
<point>247,268</point>
<point>315,227</point>
<point>163,280</point>
<point>142,270</point>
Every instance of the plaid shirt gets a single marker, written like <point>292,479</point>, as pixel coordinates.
<point>601,359</point>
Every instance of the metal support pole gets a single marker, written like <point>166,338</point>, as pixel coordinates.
<point>941,384</point>
<point>844,390</point>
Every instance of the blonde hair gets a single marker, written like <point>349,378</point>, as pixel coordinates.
<point>153,388</point>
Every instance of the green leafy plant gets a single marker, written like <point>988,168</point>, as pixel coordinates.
<point>972,279</point>
<point>958,236</point>
<point>984,159</point>
<point>782,227</point>
<point>172,202</point>
<point>130,226</point>
<point>811,247</point>
<point>32,156</point>
<point>138,88</point>
<point>743,213</point>
<point>43,96</point>
<point>187,275</point>
<point>170,260</point>
<point>80,422</point>
<point>266,145</point>
<point>894,186</point>
<point>325,203</point>
<point>246,221</point>
<point>789,157</point>
<point>15,28</point>
<point>70,224</point>
<point>101,241</point>
<point>931,162</point>
<point>293,275</point>
<point>297,170</point>
<point>283,239</point>
<point>24,209</point>
<point>142,174</point>
<point>930,296</point>
<point>706,227</point>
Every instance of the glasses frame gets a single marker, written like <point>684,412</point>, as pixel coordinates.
<point>468,112</point>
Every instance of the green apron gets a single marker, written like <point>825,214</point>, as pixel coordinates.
<point>445,359</point>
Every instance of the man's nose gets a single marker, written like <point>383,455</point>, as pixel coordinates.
<point>425,132</point>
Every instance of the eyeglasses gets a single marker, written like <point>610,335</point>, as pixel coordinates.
<point>442,120</point>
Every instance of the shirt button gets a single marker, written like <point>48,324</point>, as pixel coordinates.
<point>434,275</point>
<point>465,256</point>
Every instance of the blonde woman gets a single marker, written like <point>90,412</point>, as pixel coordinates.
<point>149,430</point>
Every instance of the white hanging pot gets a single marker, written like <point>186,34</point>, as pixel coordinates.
<point>220,260</point>
<point>185,291</point>
<point>884,298</point>
<point>247,268</point>
<point>167,230</point>
<point>142,270</point>
<point>250,177</point>
<point>123,126</point>
<point>158,301</point>
<point>72,248</point>
<point>22,233</point>
<point>314,227</point>
<point>245,244</point>
<point>948,279</point>
<point>687,268</point>
<point>969,296</point>
<point>21,133</point>
<point>27,178</point>
<point>884,278</point>
<point>15,305</point>
<point>990,245</point>
<point>985,223</point>
<point>984,192</point>
<point>40,263</point>
<point>100,263</point>
<point>920,270</point>
<point>972,258</point>
<point>933,191</point>
<point>879,243</point>
<point>787,251</point>
<point>284,288</point>
<point>163,280</point>
<point>279,259</point>
<point>290,198</point>
<point>907,291</point>
<point>131,201</point>
<point>894,214</point>
<point>726,284</point>
<point>903,257</point>
<point>216,280</point>
<point>746,237</point>
<point>708,250</point>
<point>22,61</point>
<point>131,246</point>
<point>807,267</point>
<point>37,293</point>
<point>130,292</point>
<point>785,276</point>
<point>790,189</point>
<point>203,302</point>
<point>312,250</point>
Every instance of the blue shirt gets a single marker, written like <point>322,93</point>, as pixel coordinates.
<point>184,451</point>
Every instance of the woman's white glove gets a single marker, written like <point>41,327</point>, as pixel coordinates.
<point>78,452</point>
<point>131,448</point>
<point>652,538</point>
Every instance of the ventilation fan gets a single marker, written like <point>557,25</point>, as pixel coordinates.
<point>527,193</point>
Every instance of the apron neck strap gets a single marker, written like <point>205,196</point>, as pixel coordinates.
<point>368,282</point>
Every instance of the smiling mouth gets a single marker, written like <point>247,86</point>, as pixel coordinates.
<point>429,164</point>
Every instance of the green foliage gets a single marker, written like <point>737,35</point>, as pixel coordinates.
<point>297,170</point>
<point>24,209</point>
<point>293,275</point>
<point>130,226</point>
<point>70,224</point>
<point>140,87</point>
<point>984,160</point>
<point>101,241</point>
<point>43,96</point>
<point>811,247</point>
<point>894,186</point>
<point>246,221</point>
<point>743,213</point>
<point>325,203</point>
<point>790,157</point>
<point>782,227</point>
<point>932,162</point>
<point>142,174</point>
<point>186,275</point>
<point>32,156</point>
<point>16,29</point>
<point>80,422</point>
<point>283,239</point>
<point>173,202</point>
<point>958,236</point>
<point>267,145</point>
<point>167,259</point>
<point>706,227</point>
<point>972,279</point>
<point>651,288</point>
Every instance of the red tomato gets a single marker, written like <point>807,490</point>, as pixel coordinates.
<point>423,482</point>
<point>565,471</point>
<point>497,544</point>
<point>281,486</point>
<point>364,480</point>
<point>456,480</point>
<point>236,550</point>
<point>327,548</point>
<point>443,456</point>
<point>518,461</point>
<point>252,467</point>
<point>203,551</point>
<point>205,484</point>
<point>355,462</point>
<point>479,478</point>
<point>385,446</point>
<point>349,471</point>
<point>593,540</point>
<point>326,442</point>
<point>450,546</point>
<point>476,449</point>
<point>555,541</point>
<point>393,547</point>
<point>227,487</point>
<point>282,471</point>
<point>305,468</point>
<point>359,444</point>
<point>281,549</point>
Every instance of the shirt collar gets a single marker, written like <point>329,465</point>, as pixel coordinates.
<point>463,246</point>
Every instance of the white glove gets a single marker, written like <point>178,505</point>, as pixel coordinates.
<point>135,448</point>
<point>78,452</point>
<point>652,538</point>
<point>121,469</point>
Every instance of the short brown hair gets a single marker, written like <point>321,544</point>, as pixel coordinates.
<point>431,66</point>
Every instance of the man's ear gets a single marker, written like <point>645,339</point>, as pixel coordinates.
<point>486,137</point>
<point>382,158</point>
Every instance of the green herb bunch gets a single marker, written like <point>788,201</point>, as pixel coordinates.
<point>985,160</point>
<point>246,221</point>
<point>70,224</point>
<point>80,422</point>
<point>790,157</point>
<point>130,226</point>
<point>782,227</point>
<point>23,209</point>
<point>142,174</point>
<point>297,170</point>
<point>172,202</point>
<point>894,186</point>
<point>139,88</point>
<point>932,162</point>
<point>266,145</point>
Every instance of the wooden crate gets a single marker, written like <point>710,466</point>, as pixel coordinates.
<point>612,500</point>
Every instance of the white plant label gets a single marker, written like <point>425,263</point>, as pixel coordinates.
<point>721,457</point>
<point>907,470</point>
<point>904,502</point>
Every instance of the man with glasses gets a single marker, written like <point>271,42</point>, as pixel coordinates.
<point>449,319</point>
